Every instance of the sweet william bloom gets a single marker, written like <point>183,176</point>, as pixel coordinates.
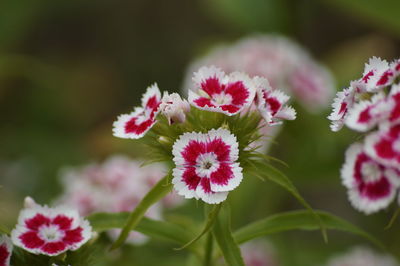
<point>206,166</point>
<point>217,92</point>
<point>377,74</point>
<point>50,231</point>
<point>136,124</point>
<point>6,248</point>
<point>362,256</point>
<point>282,61</point>
<point>371,186</point>
<point>365,115</point>
<point>174,108</point>
<point>343,102</point>
<point>272,103</point>
<point>384,145</point>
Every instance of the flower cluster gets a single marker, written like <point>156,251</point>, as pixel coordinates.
<point>283,62</point>
<point>49,231</point>
<point>124,182</point>
<point>201,141</point>
<point>372,169</point>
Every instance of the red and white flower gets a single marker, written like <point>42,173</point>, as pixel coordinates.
<point>174,108</point>
<point>371,186</point>
<point>6,248</point>
<point>377,74</point>
<point>343,102</point>
<point>271,103</point>
<point>365,115</point>
<point>217,92</point>
<point>206,165</point>
<point>384,145</point>
<point>136,124</point>
<point>395,66</point>
<point>50,231</point>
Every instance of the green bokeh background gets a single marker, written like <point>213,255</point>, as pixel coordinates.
<point>68,68</point>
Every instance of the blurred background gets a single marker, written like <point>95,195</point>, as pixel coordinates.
<point>68,68</point>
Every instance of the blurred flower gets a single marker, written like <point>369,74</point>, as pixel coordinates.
<point>371,186</point>
<point>258,253</point>
<point>174,108</point>
<point>6,248</point>
<point>136,124</point>
<point>271,103</point>
<point>50,231</point>
<point>217,92</point>
<point>206,165</point>
<point>285,64</point>
<point>362,256</point>
<point>124,182</point>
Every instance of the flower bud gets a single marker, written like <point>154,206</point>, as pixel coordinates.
<point>174,108</point>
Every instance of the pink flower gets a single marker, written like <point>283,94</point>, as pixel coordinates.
<point>284,63</point>
<point>136,124</point>
<point>50,231</point>
<point>343,102</point>
<point>206,166</point>
<point>258,253</point>
<point>377,74</point>
<point>362,256</point>
<point>371,186</point>
<point>384,145</point>
<point>365,115</point>
<point>124,182</point>
<point>271,103</point>
<point>174,108</point>
<point>6,248</point>
<point>217,92</point>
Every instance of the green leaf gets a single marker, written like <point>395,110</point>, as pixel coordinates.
<point>152,228</point>
<point>276,176</point>
<point>226,242</point>
<point>209,223</point>
<point>155,194</point>
<point>298,220</point>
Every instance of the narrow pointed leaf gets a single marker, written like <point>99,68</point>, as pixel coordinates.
<point>152,228</point>
<point>154,195</point>
<point>223,235</point>
<point>209,223</point>
<point>279,178</point>
<point>298,220</point>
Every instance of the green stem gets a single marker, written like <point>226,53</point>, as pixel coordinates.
<point>208,250</point>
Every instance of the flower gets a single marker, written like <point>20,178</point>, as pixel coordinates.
<point>124,182</point>
<point>50,231</point>
<point>282,61</point>
<point>217,92</point>
<point>258,253</point>
<point>384,145</point>
<point>174,108</point>
<point>371,186</point>
<point>365,115</point>
<point>6,248</point>
<point>136,124</point>
<point>341,104</point>
<point>362,256</point>
<point>377,74</point>
<point>206,166</point>
<point>271,103</point>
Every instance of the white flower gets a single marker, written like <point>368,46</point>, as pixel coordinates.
<point>174,108</point>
